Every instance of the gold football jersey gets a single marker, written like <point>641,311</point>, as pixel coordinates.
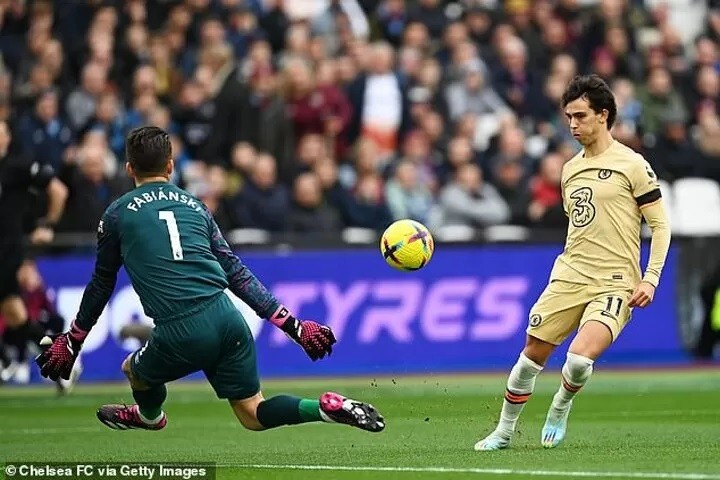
<point>602,197</point>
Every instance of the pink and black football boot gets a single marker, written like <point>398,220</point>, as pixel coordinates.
<point>126,417</point>
<point>345,410</point>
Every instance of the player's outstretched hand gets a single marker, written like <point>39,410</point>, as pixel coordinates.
<point>643,295</point>
<point>316,339</point>
<point>58,356</point>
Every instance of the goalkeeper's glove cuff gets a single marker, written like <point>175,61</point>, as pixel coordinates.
<point>76,333</point>
<point>285,321</point>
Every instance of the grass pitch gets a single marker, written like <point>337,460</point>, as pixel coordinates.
<point>653,425</point>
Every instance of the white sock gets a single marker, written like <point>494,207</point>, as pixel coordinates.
<point>520,386</point>
<point>154,421</point>
<point>325,418</point>
<point>575,374</point>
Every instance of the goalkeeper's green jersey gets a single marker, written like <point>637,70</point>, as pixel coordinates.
<point>174,254</point>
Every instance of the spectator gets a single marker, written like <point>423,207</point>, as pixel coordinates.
<point>369,209</point>
<point>168,78</point>
<point>468,200</point>
<point>427,164</point>
<point>26,94</point>
<point>474,95</point>
<point>658,96</point>
<point>380,106</point>
<point>111,120</point>
<point>328,24</point>
<point>44,136</point>
<point>309,212</point>
<point>516,84</point>
<point>511,148</point>
<point>460,153</point>
<point>511,182</point>
<point>194,113</point>
<point>673,155</point>
<point>546,208</point>
<point>311,149</point>
<point>262,203</point>
<point>53,59</point>
<point>709,136</point>
<point>212,193</point>
<point>392,18</point>
<point>228,95</point>
<point>707,91</point>
<point>82,102</point>
<point>367,162</point>
<point>431,13</point>
<point>267,128</point>
<point>406,196</point>
<point>91,190</point>
<point>313,109</point>
<point>243,30</point>
<point>275,23</point>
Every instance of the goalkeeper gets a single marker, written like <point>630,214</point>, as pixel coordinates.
<point>180,264</point>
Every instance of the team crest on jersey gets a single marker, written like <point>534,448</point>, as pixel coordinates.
<point>604,174</point>
<point>535,320</point>
<point>101,228</point>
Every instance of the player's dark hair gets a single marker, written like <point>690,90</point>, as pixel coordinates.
<point>597,93</point>
<point>148,151</point>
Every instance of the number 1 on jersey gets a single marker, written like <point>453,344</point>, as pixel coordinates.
<point>169,218</point>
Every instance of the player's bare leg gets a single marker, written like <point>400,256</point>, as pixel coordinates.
<point>147,414</point>
<point>592,340</point>
<point>520,386</point>
<point>7,367</point>
<point>18,333</point>
<point>256,413</point>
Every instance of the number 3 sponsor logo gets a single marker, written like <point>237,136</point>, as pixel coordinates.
<point>583,211</point>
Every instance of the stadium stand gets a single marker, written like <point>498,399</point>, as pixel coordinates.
<point>294,116</point>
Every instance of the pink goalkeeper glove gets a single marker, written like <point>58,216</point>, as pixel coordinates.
<point>316,339</point>
<point>60,352</point>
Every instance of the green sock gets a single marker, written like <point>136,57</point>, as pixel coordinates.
<point>150,401</point>
<point>310,410</point>
<point>287,410</point>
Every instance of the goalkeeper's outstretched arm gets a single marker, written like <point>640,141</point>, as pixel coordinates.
<point>60,351</point>
<point>107,264</point>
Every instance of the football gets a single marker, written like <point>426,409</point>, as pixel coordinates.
<point>407,245</point>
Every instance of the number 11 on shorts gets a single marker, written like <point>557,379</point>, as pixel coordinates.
<point>169,218</point>
<point>608,307</point>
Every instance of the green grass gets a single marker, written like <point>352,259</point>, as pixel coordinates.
<point>664,424</point>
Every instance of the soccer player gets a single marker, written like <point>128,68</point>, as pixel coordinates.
<point>596,282</point>
<point>180,264</point>
<point>19,179</point>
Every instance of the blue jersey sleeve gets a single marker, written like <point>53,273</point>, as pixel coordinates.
<point>243,283</point>
<point>108,262</point>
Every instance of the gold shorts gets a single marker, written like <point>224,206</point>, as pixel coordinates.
<point>564,307</point>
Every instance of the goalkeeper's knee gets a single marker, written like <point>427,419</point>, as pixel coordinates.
<point>135,383</point>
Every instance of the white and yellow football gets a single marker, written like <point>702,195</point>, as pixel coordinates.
<point>407,245</point>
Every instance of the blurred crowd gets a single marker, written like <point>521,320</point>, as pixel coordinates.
<point>316,115</point>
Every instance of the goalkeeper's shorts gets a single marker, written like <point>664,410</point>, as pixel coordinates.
<point>216,341</point>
